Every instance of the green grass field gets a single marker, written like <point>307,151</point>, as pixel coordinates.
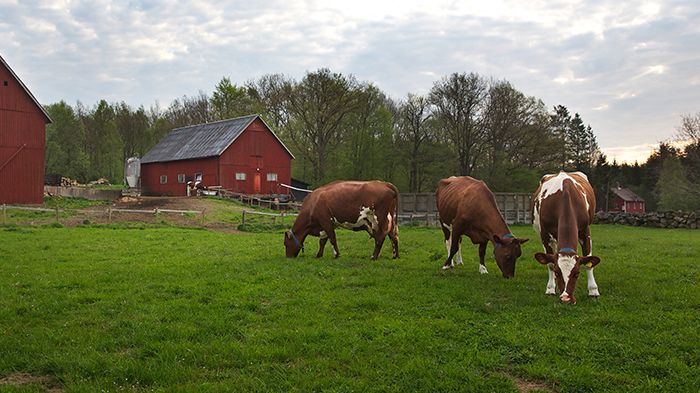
<point>89,309</point>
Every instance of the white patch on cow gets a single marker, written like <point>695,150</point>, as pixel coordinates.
<point>536,225</point>
<point>448,227</point>
<point>551,285</point>
<point>592,285</point>
<point>553,242</point>
<point>566,265</point>
<point>388,220</point>
<point>322,235</point>
<point>367,219</point>
<point>482,269</point>
<point>555,184</point>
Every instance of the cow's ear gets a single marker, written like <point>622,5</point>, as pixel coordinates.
<point>589,262</point>
<point>545,259</point>
<point>522,240</point>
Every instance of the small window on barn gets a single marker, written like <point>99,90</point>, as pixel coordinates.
<point>240,175</point>
<point>198,177</point>
<point>180,177</point>
<point>4,83</point>
<point>271,177</point>
<point>163,179</point>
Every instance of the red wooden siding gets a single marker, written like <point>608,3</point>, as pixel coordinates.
<point>151,173</point>
<point>22,142</point>
<point>255,151</point>
<point>628,206</point>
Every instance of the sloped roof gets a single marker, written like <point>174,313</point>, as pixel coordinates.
<point>626,194</point>
<point>26,90</point>
<point>201,140</point>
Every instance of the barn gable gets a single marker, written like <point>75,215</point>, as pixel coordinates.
<point>4,104</point>
<point>202,140</point>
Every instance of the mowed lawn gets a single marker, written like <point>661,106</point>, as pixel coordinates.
<point>167,309</point>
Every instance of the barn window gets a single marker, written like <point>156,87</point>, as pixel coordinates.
<point>198,177</point>
<point>163,179</point>
<point>4,83</point>
<point>271,177</point>
<point>240,175</point>
<point>180,177</point>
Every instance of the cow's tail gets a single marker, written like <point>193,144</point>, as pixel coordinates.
<point>394,209</point>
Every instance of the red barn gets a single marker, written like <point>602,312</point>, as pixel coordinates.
<point>22,141</point>
<point>627,201</point>
<point>241,155</point>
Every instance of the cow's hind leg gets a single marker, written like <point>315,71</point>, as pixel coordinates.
<point>482,254</point>
<point>453,247</point>
<point>322,244</point>
<point>394,235</point>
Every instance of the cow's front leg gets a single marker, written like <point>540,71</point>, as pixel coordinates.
<point>482,254</point>
<point>551,285</point>
<point>592,285</point>
<point>321,244</point>
<point>378,242</point>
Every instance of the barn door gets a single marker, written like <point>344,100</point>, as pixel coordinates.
<point>256,183</point>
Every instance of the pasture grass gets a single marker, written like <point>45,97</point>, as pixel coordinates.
<point>168,309</point>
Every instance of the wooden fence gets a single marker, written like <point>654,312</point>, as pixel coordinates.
<point>514,207</point>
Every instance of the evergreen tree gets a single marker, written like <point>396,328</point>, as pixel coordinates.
<point>675,191</point>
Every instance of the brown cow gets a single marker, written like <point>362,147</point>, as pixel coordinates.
<point>468,207</point>
<point>354,205</point>
<point>562,211</point>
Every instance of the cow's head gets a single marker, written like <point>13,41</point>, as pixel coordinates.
<point>292,244</point>
<point>506,250</point>
<point>566,267</point>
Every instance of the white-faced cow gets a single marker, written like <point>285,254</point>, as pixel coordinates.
<point>468,207</point>
<point>563,207</point>
<point>356,205</point>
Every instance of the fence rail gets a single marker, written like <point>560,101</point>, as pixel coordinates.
<point>273,216</point>
<point>514,207</point>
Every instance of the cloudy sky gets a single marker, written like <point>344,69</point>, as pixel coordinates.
<point>630,68</point>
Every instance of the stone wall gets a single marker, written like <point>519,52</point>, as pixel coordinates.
<point>651,219</point>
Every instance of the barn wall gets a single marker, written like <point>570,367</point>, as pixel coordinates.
<point>256,150</point>
<point>150,175</point>
<point>22,143</point>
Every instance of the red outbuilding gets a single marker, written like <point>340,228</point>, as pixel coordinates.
<point>241,155</point>
<point>627,201</point>
<point>22,141</point>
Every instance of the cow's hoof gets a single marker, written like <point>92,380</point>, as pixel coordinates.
<point>550,292</point>
<point>483,270</point>
<point>445,267</point>
<point>594,293</point>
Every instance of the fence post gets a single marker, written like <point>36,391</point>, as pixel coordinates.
<point>4,214</point>
<point>243,223</point>
<point>56,213</point>
<point>109,215</point>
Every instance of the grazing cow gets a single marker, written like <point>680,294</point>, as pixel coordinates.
<point>563,207</point>
<point>356,205</point>
<point>468,207</point>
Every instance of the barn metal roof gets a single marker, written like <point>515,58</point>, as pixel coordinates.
<point>626,194</point>
<point>26,90</point>
<point>201,140</point>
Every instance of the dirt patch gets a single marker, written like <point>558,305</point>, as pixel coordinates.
<point>47,382</point>
<point>525,386</point>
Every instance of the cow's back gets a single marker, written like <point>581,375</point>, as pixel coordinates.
<point>462,195</point>
<point>572,189</point>
<point>343,200</point>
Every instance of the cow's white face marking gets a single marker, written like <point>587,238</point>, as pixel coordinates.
<point>367,218</point>
<point>566,265</point>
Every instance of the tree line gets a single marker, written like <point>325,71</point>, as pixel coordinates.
<point>342,128</point>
